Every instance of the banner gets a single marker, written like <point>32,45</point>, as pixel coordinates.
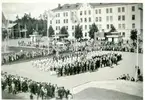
<point>74,17</point>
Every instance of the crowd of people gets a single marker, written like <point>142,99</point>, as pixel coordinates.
<point>78,62</point>
<point>15,84</point>
<point>12,57</point>
<point>138,76</point>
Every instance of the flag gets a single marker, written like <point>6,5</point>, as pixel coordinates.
<point>51,14</point>
<point>74,17</point>
<point>4,21</point>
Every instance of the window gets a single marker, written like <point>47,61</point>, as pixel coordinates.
<point>80,12</point>
<point>107,26</point>
<point>100,26</point>
<point>133,17</point>
<point>81,26</point>
<point>123,17</point>
<point>96,11</point>
<point>99,11</point>
<point>85,12</point>
<point>118,9</point>
<point>107,11</point>
<point>85,26</point>
<point>51,22</point>
<point>107,18</point>
<point>81,20</point>
<point>67,27</point>
<point>85,33</point>
<point>85,19</point>
<point>56,27</point>
<point>119,18</point>
<point>123,9</point>
<point>123,26</point>
<point>133,8</point>
<point>66,14</point>
<point>89,12</point>
<point>123,34</point>
<point>111,18</point>
<point>96,19</point>
<point>89,26</point>
<point>72,27</point>
<point>56,21</point>
<point>100,19</point>
<point>64,20</point>
<point>73,33</point>
<point>119,26</point>
<point>72,13</point>
<point>58,14</point>
<point>133,25</point>
<point>89,19</point>
<point>110,10</point>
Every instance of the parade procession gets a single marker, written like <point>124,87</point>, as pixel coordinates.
<point>80,51</point>
<point>77,63</point>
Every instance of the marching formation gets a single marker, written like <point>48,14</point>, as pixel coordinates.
<point>15,84</point>
<point>78,62</point>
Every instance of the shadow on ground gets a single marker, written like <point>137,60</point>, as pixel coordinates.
<point>103,94</point>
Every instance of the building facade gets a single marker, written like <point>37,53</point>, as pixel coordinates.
<point>123,16</point>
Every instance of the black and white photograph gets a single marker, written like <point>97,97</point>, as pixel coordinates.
<point>72,51</point>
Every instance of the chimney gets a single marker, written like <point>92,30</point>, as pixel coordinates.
<point>59,5</point>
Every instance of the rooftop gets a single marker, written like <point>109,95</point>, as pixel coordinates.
<point>77,5</point>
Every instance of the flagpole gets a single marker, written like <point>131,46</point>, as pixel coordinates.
<point>8,36</point>
<point>47,31</point>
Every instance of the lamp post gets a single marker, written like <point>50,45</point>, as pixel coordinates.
<point>140,9</point>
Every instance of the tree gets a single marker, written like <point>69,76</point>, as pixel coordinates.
<point>93,29</point>
<point>78,32</point>
<point>133,36</point>
<point>51,31</point>
<point>63,31</point>
<point>113,29</point>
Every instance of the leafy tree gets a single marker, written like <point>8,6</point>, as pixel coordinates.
<point>63,31</point>
<point>30,25</point>
<point>113,29</point>
<point>51,31</point>
<point>93,29</point>
<point>133,36</point>
<point>78,32</point>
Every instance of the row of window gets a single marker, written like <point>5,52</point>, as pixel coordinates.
<point>65,21</point>
<point>121,9</point>
<point>98,19</point>
<point>109,18</point>
<point>121,26</point>
<point>98,11</point>
<point>57,21</point>
<point>85,19</point>
<point>85,12</point>
<point>109,10</point>
<point>65,14</point>
<point>121,18</point>
<point>58,27</point>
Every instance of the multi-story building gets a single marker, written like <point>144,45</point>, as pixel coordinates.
<point>123,16</point>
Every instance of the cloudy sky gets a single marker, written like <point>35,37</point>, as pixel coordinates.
<point>11,10</point>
